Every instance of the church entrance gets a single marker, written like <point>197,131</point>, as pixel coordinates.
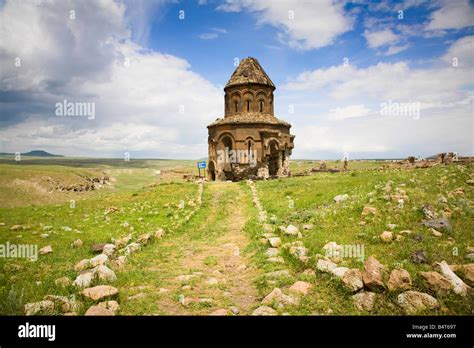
<point>274,159</point>
<point>212,171</point>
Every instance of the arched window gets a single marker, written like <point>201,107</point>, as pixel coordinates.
<point>261,104</point>
<point>248,105</point>
<point>236,106</point>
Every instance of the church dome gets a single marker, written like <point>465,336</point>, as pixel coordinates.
<point>249,71</point>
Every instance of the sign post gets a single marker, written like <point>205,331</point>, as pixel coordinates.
<point>201,165</point>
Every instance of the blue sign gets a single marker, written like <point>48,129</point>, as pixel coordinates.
<point>202,165</point>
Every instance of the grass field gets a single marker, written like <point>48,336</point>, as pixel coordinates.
<point>212,256</point>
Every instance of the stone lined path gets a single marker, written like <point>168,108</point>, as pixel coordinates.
<point>208,269</point>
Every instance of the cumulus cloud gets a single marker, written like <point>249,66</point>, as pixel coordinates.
<point>380,38</point>
<point>443,92</point>
<point>452,15</point>
<point>145,101</point>
<point>303,25</point>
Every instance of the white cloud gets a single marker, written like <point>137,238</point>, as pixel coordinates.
<point>380,38</point>
<point>351,111</point>
<point>444,93</point>
<point>303,25</point>
<point>396,49</point>
<point>452,15</point>
<point>145,101</point>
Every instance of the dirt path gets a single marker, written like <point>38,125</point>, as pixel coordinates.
<point>214,265</point>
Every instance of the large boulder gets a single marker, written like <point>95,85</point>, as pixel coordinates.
<point>415,301</point>
<point>442,224</point>
<point>364,301</point>
<point>264,310</point>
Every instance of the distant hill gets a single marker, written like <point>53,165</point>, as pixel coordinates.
<point>34,153</point>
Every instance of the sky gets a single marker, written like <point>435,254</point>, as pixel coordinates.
<point>385,79</point>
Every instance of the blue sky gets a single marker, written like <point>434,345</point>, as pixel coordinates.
<point>156,80</point>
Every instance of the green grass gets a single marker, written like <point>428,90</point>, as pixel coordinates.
<point>196,245</point>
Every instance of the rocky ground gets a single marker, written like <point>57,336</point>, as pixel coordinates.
<point>363,242</point>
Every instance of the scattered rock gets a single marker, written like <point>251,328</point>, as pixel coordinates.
<point>63,281</point>
<point>160,233</point>
<point>466,272</point>
<point>341,198</point>
<point>429,211</point>
<point>105,274</point>
<point>386,236</point>
<point>46,250</point>
<point>372,274</point>
<point>399,280</point>
<point>339,271</point>
<point>271,252</point>
<point>234,310</point>
<point>99,311</point>
<point>98,260</point>
<point>99,292</point>
<point>369,211</point>
<point>442,224</point>
<point>278,274</point>
<point>325,265</point>
<point>300,288</point>
<point>44,235</point>
<point>144,238</point>
<point>436,233</point>
<point>364,301</point>
<point>278,298</point>
<point>220,312</point>
<point>292,230</point>
<point>184,278</point>
<point>264,310</point>
<point>419,256</point>
<point>97,247</point>
<point>274,242</point>
<point>459,287</point>
<point>109,249</point>
<point>352,280</point>
<point>77,243</point>
<point>44,307</point>
<point>63,303</point>
<point>132,247</point>
<point>308,227</point>
<point>436,283</point>
<point>82,265</point>
<point>415,301</point>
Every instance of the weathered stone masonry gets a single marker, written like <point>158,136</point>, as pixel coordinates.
<point>249,142</point>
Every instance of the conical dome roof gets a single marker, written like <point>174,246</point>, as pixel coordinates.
<point>249,71</point>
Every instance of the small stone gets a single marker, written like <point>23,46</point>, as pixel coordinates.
<point>132,247</point>
<point>82,265</point>
<point>234,310</point>
<point>340,198</point>
<point>309,272</point>
<point>185,277</point>
<point>160,233</point>
<point>77,243</point>
<point>144,238</point>
<point>308,227</point>
<point>44,235</point>
<point>220,312</point>
<point>399,280</point>
<point>97,247</point>
<point>339,271</point>
<point>271,252</point>
<point>391,226</point>
<point>109,249</point>
<point>63,281</point>
<point>386,236</point>
<point>276,259</point>
<point>442,224</point>
<point>300,288</point>
<point>274,242</point>
<point>212,281</point>
<point>429,211</point>
<point>372,274</point>
<point>436,233</point>
<point>264,310</point>
<point>46,250</point>
<point>105,274</point>
<point>99,311</point>
<point>436,283</point>
<point>325,265</point>
<point>419,256</point>
<point>292,230</point>
<point>278,274</point>
<point>352,280</point>
<point>84,279</point>
<point>278,298</point>
<point>369,211</point>
<point>99,292</point>
<point>111,305</point>
<point>414,301</point>
<point>98,260</point>
<point>406,232</point>
<point>45,307</point>
<point>470,182</point>
<point>364,301</point>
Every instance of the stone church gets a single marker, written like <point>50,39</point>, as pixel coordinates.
<point>249,142</point>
